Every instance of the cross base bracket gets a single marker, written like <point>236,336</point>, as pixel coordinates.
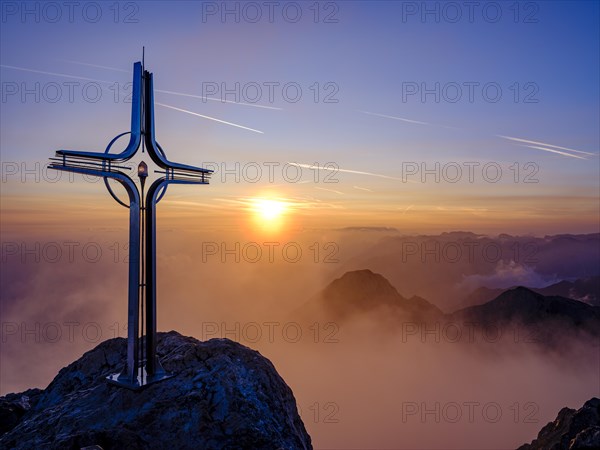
<point>141,381</point>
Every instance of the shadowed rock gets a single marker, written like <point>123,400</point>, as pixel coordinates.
<point>572,430</point>
<point>223,396</point>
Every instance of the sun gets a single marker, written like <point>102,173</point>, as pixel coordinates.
<point>269,209</point>
<point>269,212</point>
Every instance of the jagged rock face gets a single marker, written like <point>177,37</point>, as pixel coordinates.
<point>14,406</point>
<point>572,430</point>
<point>223,396</point>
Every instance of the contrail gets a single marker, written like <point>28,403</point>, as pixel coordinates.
<point>55,74</point>
<point>362,188</point>
<point>554,151</point>
<point>112,82</point>
<point>544,144</point>
<point>358,172</point>
<point>336,169</point>
<point>537,145</point>
<point>210,118</point>
<point>218,100</point>
<point>93,65</point>
<point>329,190</point>
<point>395,118</point>
<point>172,92</point>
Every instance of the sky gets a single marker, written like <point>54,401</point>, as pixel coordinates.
<point>458,118</point>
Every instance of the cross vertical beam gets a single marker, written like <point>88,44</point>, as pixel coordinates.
<point>142,366</point>
<point>133,294</point>
<point>152,363</point>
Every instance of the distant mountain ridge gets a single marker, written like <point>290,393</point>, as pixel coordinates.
<point>460,262</point>
<point>363,293</point>
<point>548,319</point>
<point>586,290</point>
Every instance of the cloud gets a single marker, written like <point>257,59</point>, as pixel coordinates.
<point>506,275</point>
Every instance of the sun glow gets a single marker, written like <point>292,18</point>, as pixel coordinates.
<point>269,212</point>
<point>269,209</point>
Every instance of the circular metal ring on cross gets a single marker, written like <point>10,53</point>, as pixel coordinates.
<point>107,184</point>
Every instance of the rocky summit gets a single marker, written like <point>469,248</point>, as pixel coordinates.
<point>572,430</point>
<point>223,396</point>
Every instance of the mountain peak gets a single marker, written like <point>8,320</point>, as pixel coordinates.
<point>222,395</point>
<point>364,291</point>
<point>361,289</point>
<point>518,297</point>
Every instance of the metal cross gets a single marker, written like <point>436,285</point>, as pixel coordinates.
<point>143,366</point>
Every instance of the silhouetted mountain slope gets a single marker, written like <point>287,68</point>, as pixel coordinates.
<point>528,306</point>
<point>363,292</point>
<point>518,315</point>
<point>459,262</point>
<point>223,395</point>
<point>553,318</point>
<point>586,290</point>
<point>572,430</point>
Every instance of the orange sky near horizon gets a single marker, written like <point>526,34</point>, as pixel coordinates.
<point>534,215</point>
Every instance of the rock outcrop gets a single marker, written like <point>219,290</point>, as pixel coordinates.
<point>223,396</point>
<point>572,430</point>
